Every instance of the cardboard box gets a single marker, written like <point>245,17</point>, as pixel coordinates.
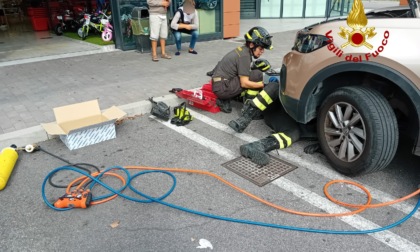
<point>83,124</point>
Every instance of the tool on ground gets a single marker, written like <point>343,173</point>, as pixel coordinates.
<point>78,198</point>
<point>28,148</point>
<point>175,90</point>
<point>8,158</point>
<point>181,115</point>
<point>95,179</point>
<point>160,109</point>
<point>202,98</point>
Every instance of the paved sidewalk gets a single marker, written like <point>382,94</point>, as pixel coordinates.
<point>72,71</point>
<point>123,78</point>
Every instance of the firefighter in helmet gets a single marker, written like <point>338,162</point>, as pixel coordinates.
<point>238,75</point>
<point>264,103</point>
<point>232,77</point>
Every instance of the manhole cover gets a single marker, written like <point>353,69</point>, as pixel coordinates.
<point>259,175</point>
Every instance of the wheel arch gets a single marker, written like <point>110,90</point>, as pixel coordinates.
<point>320,86</point>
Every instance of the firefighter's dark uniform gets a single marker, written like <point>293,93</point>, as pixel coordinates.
<point>226,81</point>
<point>287,130</point>
<point>226,85</point>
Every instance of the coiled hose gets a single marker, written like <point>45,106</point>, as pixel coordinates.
<point>95,179</point>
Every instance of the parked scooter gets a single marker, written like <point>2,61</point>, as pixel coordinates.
<point>66,22</point>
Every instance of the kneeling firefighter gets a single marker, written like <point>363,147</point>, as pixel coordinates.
<point>232,76</point>
<point>287,130</point>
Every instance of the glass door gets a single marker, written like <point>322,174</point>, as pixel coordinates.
<point>270,8</point>
<point>292,8</point>
<point>315,8</point>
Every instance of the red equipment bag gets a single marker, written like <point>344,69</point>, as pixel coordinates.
<point>202,98</point>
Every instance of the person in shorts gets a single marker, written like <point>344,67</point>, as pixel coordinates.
<point>158,26</point>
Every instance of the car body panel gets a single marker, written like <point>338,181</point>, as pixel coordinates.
<point>391,53</point>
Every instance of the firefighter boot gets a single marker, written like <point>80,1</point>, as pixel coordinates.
<point>257,151</point>
<point>259,116</point>
<point>224,105</point>
<point>249,112</point>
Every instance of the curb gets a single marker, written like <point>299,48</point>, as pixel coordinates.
<point>37,134</point>
<point>102,49</point>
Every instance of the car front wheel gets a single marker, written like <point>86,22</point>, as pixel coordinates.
<point>357,130</point>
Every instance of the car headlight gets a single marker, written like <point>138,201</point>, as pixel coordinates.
<point>306,42</point>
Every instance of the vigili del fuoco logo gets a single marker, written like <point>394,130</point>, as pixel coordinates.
<point>357,34</point>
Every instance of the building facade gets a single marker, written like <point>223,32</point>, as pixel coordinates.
<point>221,18</point>
<point>294,8</point>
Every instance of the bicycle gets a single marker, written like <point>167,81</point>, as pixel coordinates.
<point>96,23</point>
<point>108,30</point>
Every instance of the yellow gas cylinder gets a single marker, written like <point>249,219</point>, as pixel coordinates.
<point>8,158</point>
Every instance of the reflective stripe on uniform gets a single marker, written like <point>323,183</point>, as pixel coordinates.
<point>266,97</point>
<point>265,68</point>
<point>252,92</point>
<point>279,140</point>
<point>283,140</point>
<point>288,139</point>
<point>258,104</point>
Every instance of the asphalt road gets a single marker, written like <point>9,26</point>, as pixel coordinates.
<point>28,224</point>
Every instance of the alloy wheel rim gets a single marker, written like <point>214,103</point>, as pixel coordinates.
<point>345,132</point>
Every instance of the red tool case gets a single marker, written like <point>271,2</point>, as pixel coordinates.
<point>202,98</point>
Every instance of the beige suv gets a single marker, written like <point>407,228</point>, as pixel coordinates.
<point>359,78</point>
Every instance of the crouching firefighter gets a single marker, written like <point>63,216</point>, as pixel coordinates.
<point>233,77</point>
<point>286,129</point>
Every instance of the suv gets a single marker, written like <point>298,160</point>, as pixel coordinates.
<point>359,77</point>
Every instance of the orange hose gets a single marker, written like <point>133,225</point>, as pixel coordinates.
<point>87,179</point>
<point>364,189</point>
<point>359,208</point>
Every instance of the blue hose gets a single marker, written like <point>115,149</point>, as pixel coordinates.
<point>149,199</point>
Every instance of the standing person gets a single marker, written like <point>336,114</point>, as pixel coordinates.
<point>185,21</point>
<point>158,26</point>
<point>232,75</point>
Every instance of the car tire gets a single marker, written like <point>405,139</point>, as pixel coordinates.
<point>357,130</point>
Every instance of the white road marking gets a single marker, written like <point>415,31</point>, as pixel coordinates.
<point>387,237</point>
<point>321,170</point>
<point>356,221</point>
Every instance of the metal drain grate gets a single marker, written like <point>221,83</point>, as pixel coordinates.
<point>259,175</point>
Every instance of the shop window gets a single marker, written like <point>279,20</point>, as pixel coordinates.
<point>315,8</point>
<point>270,9</point>
<point>292,8</point>
<point>209,12</point>
<point>340,7</point>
